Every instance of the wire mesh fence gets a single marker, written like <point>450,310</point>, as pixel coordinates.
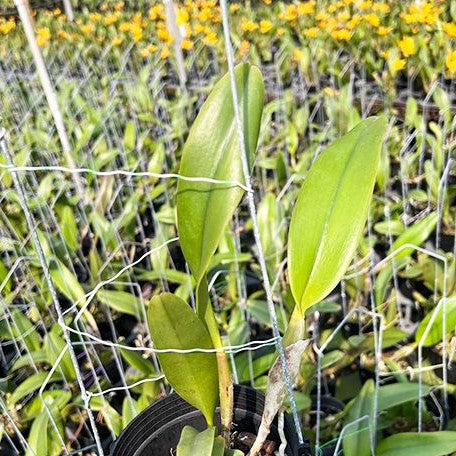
<point>80,270</point>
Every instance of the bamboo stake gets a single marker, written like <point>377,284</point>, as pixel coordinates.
<point>23,8</point>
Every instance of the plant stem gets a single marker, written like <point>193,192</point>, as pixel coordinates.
<point>206,314</point>
<point>295,329</point>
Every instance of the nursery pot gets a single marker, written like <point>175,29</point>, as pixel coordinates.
<point>156,431</point>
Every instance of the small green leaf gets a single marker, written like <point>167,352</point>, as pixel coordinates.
<point>38,437</point>
<point>193,443</point>
<point>356,441</point>
<point>69,228</point>
<point>130,136</point>
<point>399,393</point>
<point>416,235</point>
<point>212,151</point>
<point>439,443</point>
<point>435,333</point>
<point>53,344</point>
<point>30,385</point>
<point>331,211</point>
<point>194,376</point>
<point>128,411</point>
<point>121,301</point>
<point>136,361</point>
<point>66,282</point>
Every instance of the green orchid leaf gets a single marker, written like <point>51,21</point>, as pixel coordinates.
<point>38,437</point>
<point>193,442</point>
<point>194,376</point>
<point>121,301</point>
<point>30,385</point>
<point>399,393</point>
<point>418,444</point>
<point>53,344</point>
<point>416,235</point>
<point>435,333</point>
<point>212,151</point>
<point>356,441</point>
<point>331,211</point>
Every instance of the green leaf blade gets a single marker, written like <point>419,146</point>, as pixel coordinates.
<point>212,151</point>
<point>331,211</point>
<point>418,444</point>
<point>194,376</point>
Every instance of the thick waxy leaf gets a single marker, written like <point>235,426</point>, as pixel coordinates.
<point>212,151</point>
<point>173,325</point>
<point>53,345</point>
<point>193,442</point>
<point>331,212</point>
<point>399,393</point>
<point>435,333</point>
<point>418,444</point>
<point>121,301</point>
<point>415,235</point>
<point>30,385</point>
<point>356,441</point>
<point>38,437</point>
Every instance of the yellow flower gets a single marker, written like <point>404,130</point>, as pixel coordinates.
<point>383,31</point>
<point>210,39</point>
<point>125,27</point>
<point>372,19</point>
<point>354,22</point>
<point>365,5</point>
<point>116,42</point>
<point>332,9</point>
<point>136,32</point>
<point>450,62</point>
<point>182,16</point>
<point>267,2</point>
<point>199,29</point>
<point>248,26</point>
<point>398,65</point>
<point>7,26</point>
<point>298,55</point>
<point>341,35</point>
<point>119,6</point>
<point>43,35</point>
<point>234,7</point>
<point>311,32</point>
<point>144,53</point>
<point>407,46</point>
<point>57,12</point>
<point>265,26</point>
<point>63,35</point>
<point>244,48</point>
<point>343,16</point>
<point>306,8</point>
<point>450,29</point>
<point>95,17</point>
<point>280,31</point>
<point>290,14</point>
<point>111,18</point>
<point>155,12</point>
<point>87,29</point>
<point>165,36</point>
<point>187,45</point>
<point>165,53</point>
<point>104,7</point>
<point>381,8</point>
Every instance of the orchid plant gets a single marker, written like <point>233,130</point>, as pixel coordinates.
<point>322,240</point>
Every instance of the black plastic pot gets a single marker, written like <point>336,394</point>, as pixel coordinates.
<point>156,431</point>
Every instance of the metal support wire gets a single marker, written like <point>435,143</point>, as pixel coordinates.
<point>253,216</point>
<point>50,284</point>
